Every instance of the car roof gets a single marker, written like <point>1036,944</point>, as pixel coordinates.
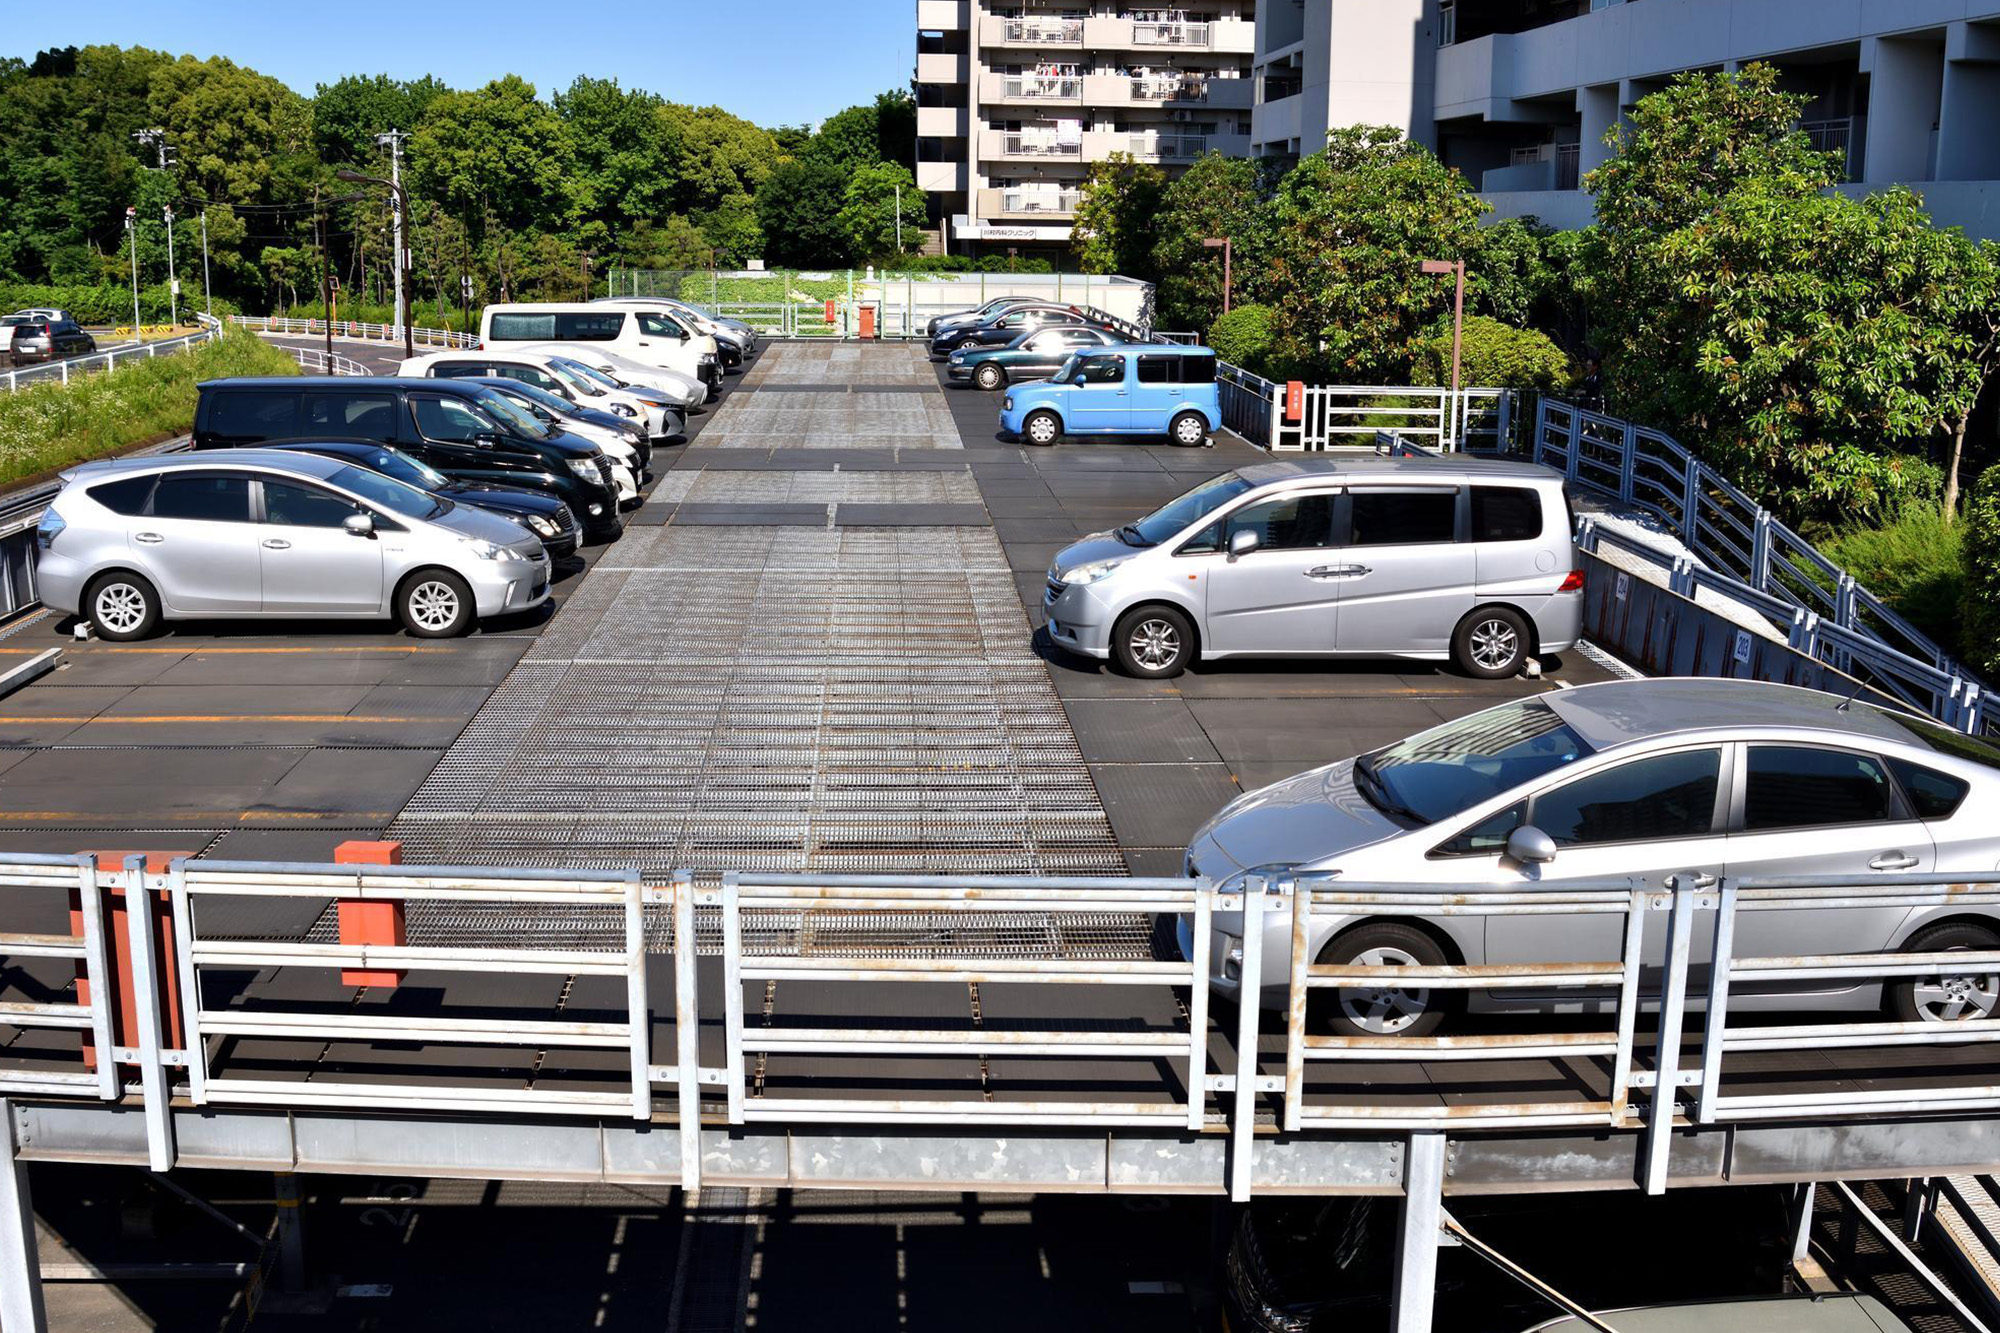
<point>281,460</point>
<point>1836,1313</point>
<point>344,382</point>
<point>1165,349</point>
<point>1320,467</point>
<point>1624,712</point>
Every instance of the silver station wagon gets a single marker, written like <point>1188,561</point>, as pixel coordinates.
<point>1628,779</point>
<point>131,542</point>
<point>1465,560</point>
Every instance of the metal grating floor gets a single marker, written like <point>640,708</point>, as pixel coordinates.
<point>777,699</point>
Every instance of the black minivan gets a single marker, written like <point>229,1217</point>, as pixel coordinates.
<point>468,432</point>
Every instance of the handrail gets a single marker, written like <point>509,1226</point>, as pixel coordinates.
<point>62,371</point>
<point>358,330</point>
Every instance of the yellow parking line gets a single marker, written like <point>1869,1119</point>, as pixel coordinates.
<point>219,717</point>
<point>221,652</point>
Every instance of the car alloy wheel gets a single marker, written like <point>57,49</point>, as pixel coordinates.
<point>1494,643</point>
<point>1155,642</point>
<point>434,605</point>
<point>119,607</point>
<point>1042,428</point>
<point>1384,1011</point>
<point>990,377</point>
<point>1957,999</point>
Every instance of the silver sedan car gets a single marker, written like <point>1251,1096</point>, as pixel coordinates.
<point>1641,780</point>
<point>131,542</point>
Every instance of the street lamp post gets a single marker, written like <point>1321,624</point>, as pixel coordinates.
<point>173,275</point>
<point>402,216</point>
<point>1439,267</point>
<point>1221,243</point>
<point>132,242</point>
<point>207,296</point>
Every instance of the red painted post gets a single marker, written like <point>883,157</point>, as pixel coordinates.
<point>369,920</point>
<point>829,311</point>
<point>867,323</point>
<point>1295,400</point>
<point>118,954</point>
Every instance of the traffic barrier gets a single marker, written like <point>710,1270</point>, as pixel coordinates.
<point>382,923</point>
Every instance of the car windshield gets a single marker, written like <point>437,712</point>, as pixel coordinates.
<point>406,469</point>
<point>538,396</point>
<point>390,494</point>
<point>575,380</point>
<point>515,415</point>
<point>1197,504</point>
<point>1449,769</point>
<point>591,373</point>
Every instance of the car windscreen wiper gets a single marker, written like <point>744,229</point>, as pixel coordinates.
<point>1136,537</point>
<point>1371,786</point>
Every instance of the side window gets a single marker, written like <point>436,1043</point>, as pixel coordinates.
<point>372,415</point>
<point>126,496</point>
<point>1801,786</point>
<point>1014,321</point>
<point>539,378</point>
<point>461,370</point>
<point>1486,838</point>
<point>305,506</point>
<point>448,420</point>
<point>590,328</point>
<point>1669,796</point>
<point>659,326</point>
<point>1197,369</point>
<point>522,328</point>
<point>1403,518</point>
<point>1103,370</point>
<point>1933,795</point>
<point>1291,523</point>
<point>210,496</point>
<point>254,416</point>
<point>1206,542</point>
<point>1157,369</point>
<point>1506,513</point>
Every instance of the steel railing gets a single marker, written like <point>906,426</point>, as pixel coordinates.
<point>1171,34</point>
<point>1754,558</point>
<point>1350,416</point>
<point>1039,201</point>
<point>1062,87</point>
<point>1037,145</point>
<point>1669,973</point>
<point>62,372</point>
<point>1066,32</point>
<point>357,330</point>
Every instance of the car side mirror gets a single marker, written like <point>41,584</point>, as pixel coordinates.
<point>359,525</point>
<point>1081,380</point>
<point>1242,542</point>
<point>1530,846</point>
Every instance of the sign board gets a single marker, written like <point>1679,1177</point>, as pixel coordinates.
<point>1743,646</point>
<point>1624,587</point>
<point>829,309</point>
<point>1295,400</point>
<point>177,286</point>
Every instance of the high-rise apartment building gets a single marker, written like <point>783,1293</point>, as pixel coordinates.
<point>1518,94</point>
<point>1017,98</point>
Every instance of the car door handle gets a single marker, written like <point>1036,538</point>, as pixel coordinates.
<point>276,544</point>
<point>1337,571</point>
<point>150,538</point>
<point>1893,861</point>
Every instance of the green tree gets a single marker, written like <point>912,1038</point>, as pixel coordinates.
<point>348,113</point>
<point>1243,336</point>
<point>731,228</point>
<point>798,209</point>
<point>869,216</point>
<point>1115,213</point>
<point>1352,226</point>
<point>720,155</point>
<point>496,153</point>
<point>1494,355</point>
<point>1216,197</point>
<point>626,155</point>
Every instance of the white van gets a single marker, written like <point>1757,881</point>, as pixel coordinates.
<point>659,415</point>
<point>651,337</point>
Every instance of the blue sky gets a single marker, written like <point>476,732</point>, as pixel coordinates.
<point>773,61</point>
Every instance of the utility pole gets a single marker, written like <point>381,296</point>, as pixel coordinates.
<point>393,139</point>
<point>132,240</point>
<point>1455,267</point>
<point>1224,244</point>
<point>325,278</point>
<point>207,297</point>
<point>173,275</point>
<point>899,217</point>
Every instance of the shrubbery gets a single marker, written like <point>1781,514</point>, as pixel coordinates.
<point>105,306</point>
<point>1495,355</point>
<point>1243,336</point>
<point>1915,561</point>
<point>1980,616</point>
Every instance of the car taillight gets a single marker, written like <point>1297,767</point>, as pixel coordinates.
<point>1574,583</point>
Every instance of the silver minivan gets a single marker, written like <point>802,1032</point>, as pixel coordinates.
<point>1467,560</point>
<point>133,541</point>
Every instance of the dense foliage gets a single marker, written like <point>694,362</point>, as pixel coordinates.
<point>1493,354</point>
<point>524,195</point>
<point>1243,336</point>
<point>1981,608</point>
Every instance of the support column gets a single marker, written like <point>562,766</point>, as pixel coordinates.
<point>1969,104</point>
<point>1600,111</point>
<point>1417,1247</point>
<point>1906,78</point>
<point>20,1266</point>
<point>291,1233</point>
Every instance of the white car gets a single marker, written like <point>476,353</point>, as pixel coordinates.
<point>647,408</point>
<point>682,391</point>
<point>648,335</point>
<point>628,469</point>
<point>733,341</point>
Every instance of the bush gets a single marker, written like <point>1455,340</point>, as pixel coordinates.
<point>1915,562</point>
<point>1980,619</point>
<point>102,307</point>
<point>48,426</point>
<point>1495,356</point>
<point>1243,337</point>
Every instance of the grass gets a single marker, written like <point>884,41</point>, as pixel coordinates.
<point>1916,563</point>
<point>47,427</point>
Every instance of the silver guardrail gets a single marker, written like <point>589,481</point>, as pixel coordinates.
<point>358,330</point>
<point>1747,554</point>
<point>62,372</point>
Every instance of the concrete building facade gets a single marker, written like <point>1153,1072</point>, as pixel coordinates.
<point>1017,98</point>
<point>1518,94</point>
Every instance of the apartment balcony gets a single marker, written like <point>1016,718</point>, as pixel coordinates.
<point>1535,169</point>
<point>1029,146</point>
<point>941,67</point>
<point>942,15</point>
<point>1039,34</point>
<point>1032,89</point>
<point>1186,89</point>
<point>1221,36</point>
<point>941,177</point>
<point>1027,205</point>
<point>1277,121</point>
<point>941,122</point>
<point>1172,148</point>
<point>1846,136</point>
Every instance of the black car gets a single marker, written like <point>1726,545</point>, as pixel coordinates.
<point>1004,326</point>
<point>537,511</point>
<point>469,432</point>
<point>33,338</point>
<point>961,318</point>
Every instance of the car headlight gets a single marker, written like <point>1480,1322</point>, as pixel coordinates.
<point>1007,404</point>
<point>623,409</point>
<point>540,526</point>
<point>1094,572</point>
<point>586,468</point>
<point>958,356</point>
<point>485,550</point>
<point>708,358</point>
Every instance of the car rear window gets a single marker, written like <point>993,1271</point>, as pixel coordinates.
<point>1197,369</point>
<point>206,496</point>
<point>1943,740</point>
<point>127,495</point>
<point>1802,786</point>
<point>1404,518</point>
<point>1933,795</point>
<point>1157,369</point>
<point>371,415</point>
<point>577,327</point>
<point>1506,513</point>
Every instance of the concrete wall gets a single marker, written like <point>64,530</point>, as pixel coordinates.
<point>1368,62</point>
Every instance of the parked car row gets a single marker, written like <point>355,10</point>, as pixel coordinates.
<point>33,337</point>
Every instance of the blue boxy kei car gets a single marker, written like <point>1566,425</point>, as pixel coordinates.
<point>1130,389</point>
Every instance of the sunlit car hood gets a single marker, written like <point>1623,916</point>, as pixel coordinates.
<point>1308,822</point>
<point>1089,550</point>
<point>485,525</point>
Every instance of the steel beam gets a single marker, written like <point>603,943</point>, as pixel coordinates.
<point>21,1308</point>
<point>291,1233</point>
<point>1417,1247</point>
